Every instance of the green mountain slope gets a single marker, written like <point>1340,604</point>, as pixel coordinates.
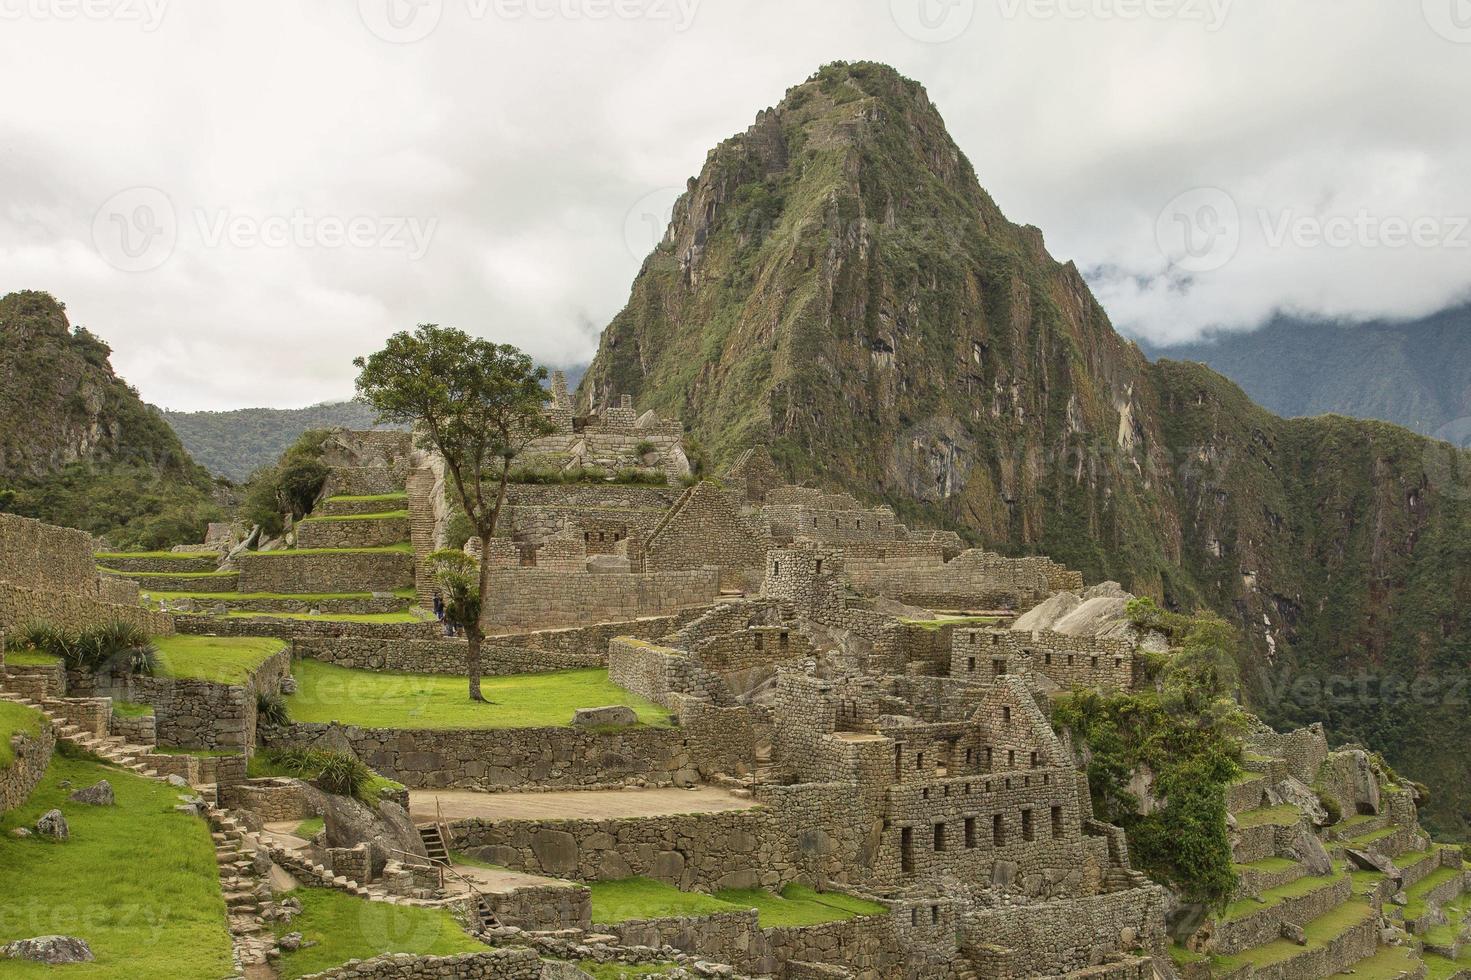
<point>77,446</point>
<point>1416,374</point>
<point>235,444</point>
<point>837,284</point>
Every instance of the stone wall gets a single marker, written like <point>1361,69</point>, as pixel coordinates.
<point>200,714</point>
<point>325,572</point>
<point>531,597</point>
<point>20,605</point>
<point>305,628</point>
<point>542,907</point>
<point>705,528</point>
<point>1068,661</point>
<point>511,653</point>
<point>511,758</point>
<point>358,532</point>
<point>34,555</point>
<point>695,852</point>
<point>32,754</point>
<point>1061,936</point>
<point>497,964</point>
<point>974,580</point>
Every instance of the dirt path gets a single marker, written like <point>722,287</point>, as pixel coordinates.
<point>571,805</point>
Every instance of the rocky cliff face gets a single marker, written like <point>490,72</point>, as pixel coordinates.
<point>837,284</point>
<point>77,446</point>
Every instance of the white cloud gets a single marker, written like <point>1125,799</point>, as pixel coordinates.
<point>527,141</point>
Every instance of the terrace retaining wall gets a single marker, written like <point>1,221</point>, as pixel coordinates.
<point>32,755</point>
<point>325,572</point>
<point>536,597</point>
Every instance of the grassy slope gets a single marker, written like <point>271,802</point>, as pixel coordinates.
<point>137,881</point>
<point>15,719</point>
<point>645,898</point>
<point>346,928</point>
<point>377,699</point>
<point>220,659</point>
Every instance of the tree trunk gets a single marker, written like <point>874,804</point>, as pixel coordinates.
<point>474,633</point>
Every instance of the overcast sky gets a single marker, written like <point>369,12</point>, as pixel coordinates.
<point>240,197</point>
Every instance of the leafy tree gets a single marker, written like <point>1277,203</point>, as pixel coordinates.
<point>290,487</point>
<point>479,404</point>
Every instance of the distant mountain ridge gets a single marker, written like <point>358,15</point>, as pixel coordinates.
<point>1415,373</point>
<point>236,443</point>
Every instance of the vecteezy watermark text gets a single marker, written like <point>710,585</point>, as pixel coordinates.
<point>407,21</point>
<point>147,14</point>
<point>1211,14</point>
<point>300,229</point>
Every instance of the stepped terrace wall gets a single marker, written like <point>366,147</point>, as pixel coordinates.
<point>48,573</point>
<point>510,758</point>
<point>328,572</point>
<point>694,852</point>
<point>531,597</point>
<point>512,653</point>
<point>32,754</point>
<point>356,532</point>
<point>495,964</point>
<point>287,628</point>
<point>1062,936</point>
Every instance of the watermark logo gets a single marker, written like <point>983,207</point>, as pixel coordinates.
<point>407,21</point>
<point>146,14</point>
<point>1364,229</point>
<point>136,230</point>
<point>933,21</point>
<point>1451,19</point>
<point>646,221</point>
<point>1200,230</point>
<point>401,21</point>
<point>1211,14</point>
<point>300,229</point>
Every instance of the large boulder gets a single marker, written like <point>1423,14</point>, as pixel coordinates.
<point>1372,861</point>
<point>48,949</point>
<point>1308,851</point>
<point>613,714</point>
<point>99,795</point>
<point>386,829</point>
<point>1299,794</point>
<point>52,824</point>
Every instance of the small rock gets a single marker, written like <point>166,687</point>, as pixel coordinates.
<point>20,832</point>
<point>65,784</point>
<point>48,949</point>
<point>53,824</point>
<point>291,941</point>
<point>1294,934</point>
<point>99,795</point>
<point>174,779</point>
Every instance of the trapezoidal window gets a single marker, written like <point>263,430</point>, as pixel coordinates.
<point>1057,823</point>
<point>970,832</point>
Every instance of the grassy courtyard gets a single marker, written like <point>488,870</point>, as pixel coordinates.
<point>137,881</point>
<point>14,719</point>
<point>797,905</point>
<point>393,617</point>
<point>220,659</point>
<point>377,699</point>
<point>347,928</point>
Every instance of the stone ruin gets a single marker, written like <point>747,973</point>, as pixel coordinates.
<point>859,707</point>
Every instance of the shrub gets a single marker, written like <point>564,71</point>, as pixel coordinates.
<point>643,447</point>
<point>43,638</point>
<point>271,709</point>
<point>291,487</point>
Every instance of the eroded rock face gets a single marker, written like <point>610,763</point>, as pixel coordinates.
<point>99,795</point>
<point>1300,795</point>
<point>48,949</point>
<point>52,824</point>
<point>1308,851</point>
<point>387,830</point>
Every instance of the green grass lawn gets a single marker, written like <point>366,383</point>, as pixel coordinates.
<point>393,617</point>
<point>378,699</point>
<point>1374,835</point>
<point>129,709</point>
<point>349,928</point>
<point>310,827</point>
<point>1318,932</point>
<point>1417,892</point>
<point>1387,964</point>
<point>30,658</point>
<point>1268,865</point>
<point>797,905</point>
<point>15,719</point>
<point>301,596</point>
<point>1280,816</point>
<point>1276,896</point>
<point>382,516</point>
<point>1455,915</point>
<point>221,659</point>
<point>137,881</point>
<point>142,577</point>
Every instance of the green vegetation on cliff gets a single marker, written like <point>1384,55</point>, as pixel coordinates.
<point>77,446</point>
<point>836,284</point>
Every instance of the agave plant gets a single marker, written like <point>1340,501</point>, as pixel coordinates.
<point>43,638</point>
<point>117,648</point>
<point>271,709</point>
